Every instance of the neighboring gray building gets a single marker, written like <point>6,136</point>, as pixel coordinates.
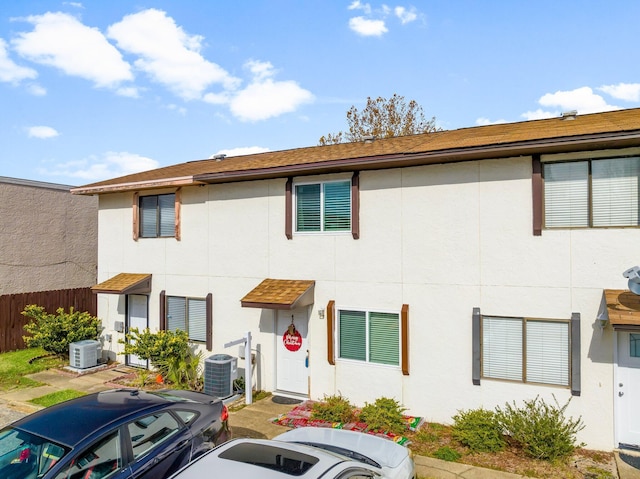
<point>48,237</point>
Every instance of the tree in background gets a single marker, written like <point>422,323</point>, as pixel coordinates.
<point>383,118</point>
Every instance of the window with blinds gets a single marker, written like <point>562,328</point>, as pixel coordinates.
<point>323,206</point>
<point>592,193</point>
<point>528,350</point>
<point>157,216</point>
<point>187,314</point>
<point>369,336</point>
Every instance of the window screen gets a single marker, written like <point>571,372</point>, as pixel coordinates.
<point>157,216</point>
<point>369,336</point>
<point>187,314</point>
<point>323,207</point>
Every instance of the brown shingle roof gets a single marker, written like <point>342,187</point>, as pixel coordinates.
<point>598,130</point>
<point>280,294</point>
<point>124,283</point>
<point>623,308</point>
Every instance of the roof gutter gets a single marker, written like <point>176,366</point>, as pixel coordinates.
<point>138,185</point>
<point>453,155</point>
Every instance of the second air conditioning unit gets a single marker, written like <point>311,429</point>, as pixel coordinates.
<point>84,354</point>
<point>220,370</point>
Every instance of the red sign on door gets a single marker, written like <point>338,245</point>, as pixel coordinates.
<point>292,339</point>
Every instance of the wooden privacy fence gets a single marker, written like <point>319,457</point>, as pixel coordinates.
<point>11,305</point>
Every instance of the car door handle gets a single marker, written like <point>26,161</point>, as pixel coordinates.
<point>167,453</point>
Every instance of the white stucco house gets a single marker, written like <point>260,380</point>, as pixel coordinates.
<point>449,270</point>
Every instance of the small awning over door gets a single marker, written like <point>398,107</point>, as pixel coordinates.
<point>280,294</point>
<point>623,308</point>
<point>125,283</point>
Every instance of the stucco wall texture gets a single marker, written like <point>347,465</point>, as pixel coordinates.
<point>48,237</point>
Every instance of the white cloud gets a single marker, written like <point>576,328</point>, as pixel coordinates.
<point>366,27</point>
<point>482,121</point>
<point>36,90</point>
<point>240,151</point>
<point>583,99</point>
<point>623,91</point>
<point>168,54</point>
<point>405,16</point>
<point>109,165</point>
<point>539,114</point>
<point>9,71</point>
<point>357,5</point>
<point>61,41</point>
<point>130,92</point>
<point>265,98</point>
<point>42,132</point>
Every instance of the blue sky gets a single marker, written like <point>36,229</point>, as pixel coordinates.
<point>91,90</point>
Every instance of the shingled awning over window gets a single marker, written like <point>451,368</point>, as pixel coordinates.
<point>623,308</point>
<point>280,294</point>
<point>125,283</point>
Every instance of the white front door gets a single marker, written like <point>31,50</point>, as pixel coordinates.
<point>137,317</point>
<point>628,389</point>
<point>292,371</point>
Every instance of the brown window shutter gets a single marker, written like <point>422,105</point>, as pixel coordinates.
<point>163,310</point>
<point>288,209</point>
<point>135,215</point>
<point>355,205</point>
<point>404,318</point>
<point>330,315</point>
<point>209,327</point>
<point>178,208</point>
<point>536,187</point>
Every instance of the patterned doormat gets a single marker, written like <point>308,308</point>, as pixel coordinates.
<point>631,459</point>
<point>285,400</point>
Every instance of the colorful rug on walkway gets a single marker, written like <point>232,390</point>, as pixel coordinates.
<point>300,416</point>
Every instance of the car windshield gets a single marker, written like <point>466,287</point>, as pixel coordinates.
<point>25,455</point>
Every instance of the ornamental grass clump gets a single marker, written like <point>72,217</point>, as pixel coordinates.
<point>479,430</point>
<point>385,415</point>
<point>334,408</point>
<point>541,429</point>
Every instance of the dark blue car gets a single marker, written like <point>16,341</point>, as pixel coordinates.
<point>117,434</point>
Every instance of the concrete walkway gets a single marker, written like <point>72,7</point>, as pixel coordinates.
<point>249,421</point>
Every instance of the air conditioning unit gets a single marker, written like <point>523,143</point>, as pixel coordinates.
<point>84,354</point>
<point>219,372</point>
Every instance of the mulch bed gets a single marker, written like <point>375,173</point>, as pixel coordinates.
<point>300,416</point>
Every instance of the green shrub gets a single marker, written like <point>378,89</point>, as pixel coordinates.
<point>445,453</point>
<point>479,430</point>
<point>333,409</point>
<point>170,353</point>
<point>541,429</point>
<point>385,414</point>
<point>54,332</point>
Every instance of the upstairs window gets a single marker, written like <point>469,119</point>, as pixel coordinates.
<point>592,193</point>
<point>158,216</point>
<point>369,336</point>
<point>187,314</point>
<point>323,207</point>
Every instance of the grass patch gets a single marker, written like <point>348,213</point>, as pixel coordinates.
<point>56,397</point>
<point>241,403</point>
<point>15,365</point>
